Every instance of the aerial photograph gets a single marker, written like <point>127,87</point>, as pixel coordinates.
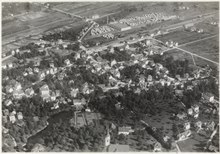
<point>110,76</point>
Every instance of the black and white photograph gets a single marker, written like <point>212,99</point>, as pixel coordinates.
<point>110,76</point>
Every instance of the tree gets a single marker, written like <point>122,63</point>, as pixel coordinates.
<point>24,139</point>
<point>121,137</point>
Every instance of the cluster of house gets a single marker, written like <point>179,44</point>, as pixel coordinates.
<point>171,44</point>
<point>12,117</point>
<point>85,88</point>
<point>198,126</point>
<point>100,30</point>
<point>108,36</point>
<point>11,52</point>
<point>183,8</point>
<point>198,30</point>
<point>100,66</point>
<point>192,28</point>
<point>55,96</point>
<point>9,63</point>
<point>14,88</point>
<point>212,102</point>
<point>193,111</point>
<point>17,119</point>
<point>213,23</point>
<point>146,19</point>
<point>52,70</point>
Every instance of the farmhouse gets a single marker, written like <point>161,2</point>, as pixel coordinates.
<point>45,91</point>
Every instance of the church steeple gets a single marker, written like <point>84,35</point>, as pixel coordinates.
<point>107,138</point>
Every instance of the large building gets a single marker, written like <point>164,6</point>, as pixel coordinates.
<point>120,26</point>
<point>45,92</point>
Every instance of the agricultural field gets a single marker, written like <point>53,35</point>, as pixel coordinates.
<point>30,20</point>
<point>14,28</point>
<point>46,19</point>
<point>19,8</point>
<point>208,48</point>
<point>89,9</point>
<point>202,62</point>
<point>182,36</point>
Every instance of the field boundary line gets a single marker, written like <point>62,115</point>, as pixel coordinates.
<point>197,56</point>
<point>192,54</point>
<point>67,13</point>
<point>193,60</point>
<point>197,40</point>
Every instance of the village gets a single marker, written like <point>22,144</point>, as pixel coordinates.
<point>131,95</point>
